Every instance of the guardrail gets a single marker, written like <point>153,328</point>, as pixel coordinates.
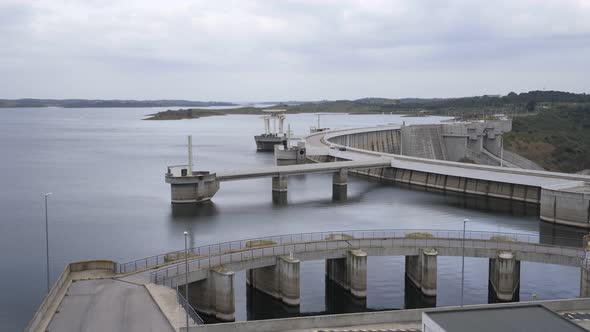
<point>209,255</point>
<point>189,308</point>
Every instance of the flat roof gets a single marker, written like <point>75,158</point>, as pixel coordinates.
<point>515,318</point>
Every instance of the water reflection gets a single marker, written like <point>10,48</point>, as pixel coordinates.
<point>414,298</point>
<point>260,305</point>
<point>560,235</point>
<point>196,210</point>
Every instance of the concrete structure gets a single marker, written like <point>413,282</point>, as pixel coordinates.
<point>504,277</point>
<point>421,270</point>
<point>563,198</point>
<point>211,278</point>
<point>201,186</point>
<point>281,281</point>
<point>350,272</point>
<point>346,255</point>
<point>514,318</point>
<point>214,296</point>
<point>272,135</point>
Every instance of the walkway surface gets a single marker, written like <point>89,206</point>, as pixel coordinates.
<point>108,305</point>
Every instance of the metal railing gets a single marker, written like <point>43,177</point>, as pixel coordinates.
<point>189,308</point>
<point>227,252</point>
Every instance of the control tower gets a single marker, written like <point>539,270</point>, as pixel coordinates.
<point>273,131</point>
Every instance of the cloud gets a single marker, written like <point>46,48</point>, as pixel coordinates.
<point>308,49</point>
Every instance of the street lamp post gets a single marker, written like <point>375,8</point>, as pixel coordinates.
<point>186,276</point>
<point>501,150</point>
<point>47,240</point>
<point>465,221</point>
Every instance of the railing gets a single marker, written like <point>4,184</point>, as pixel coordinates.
<point>189,308</point>
<point>227,252</point>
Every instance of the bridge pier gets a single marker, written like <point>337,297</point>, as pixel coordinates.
<point>421,270</point>
<point>350,272</point>
<point>191,187</point>
<point>214,296</point>
<point>279,189</point>
<point>340,185</point>
<point>504,282</point>
<point>281,281</point>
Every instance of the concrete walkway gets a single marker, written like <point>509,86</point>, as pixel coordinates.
<point>108,305</point>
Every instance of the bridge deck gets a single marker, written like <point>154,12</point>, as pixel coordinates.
<point>272,171</point>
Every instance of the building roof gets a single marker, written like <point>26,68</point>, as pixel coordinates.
<point>515,318</point>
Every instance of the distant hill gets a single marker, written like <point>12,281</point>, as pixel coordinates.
<point>83,103</point>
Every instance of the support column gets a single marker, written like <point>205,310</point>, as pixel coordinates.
<point>279,189</point>
<point>340,184</point>
<point>281,281</point>
<point>350,272</point>
<point>421,271</point>
<point>585,268</point>
<point>504,284</point>
<point>214,296</point>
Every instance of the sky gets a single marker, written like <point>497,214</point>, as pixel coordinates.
<point>255,50</point>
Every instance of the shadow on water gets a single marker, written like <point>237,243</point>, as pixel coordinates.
<point>561,235</point>
<point>183,212</point>
<point>414,298</point>
<point>260,305</point>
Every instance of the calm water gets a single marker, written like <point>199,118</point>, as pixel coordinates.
<point>105,168</point>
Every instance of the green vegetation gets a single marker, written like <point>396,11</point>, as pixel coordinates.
<point>501,238</point>
<point>419,235</point>
<point>259,243</point>
<point>338,236</point>
<point>550,128</point>
<point>557,137</point>
<point>466,108</point>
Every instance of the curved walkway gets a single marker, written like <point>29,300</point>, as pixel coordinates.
<point>256,253</point>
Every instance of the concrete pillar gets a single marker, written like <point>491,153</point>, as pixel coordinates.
<point>281,281</point>
<point>214,296</point>
<point>340,184</point>
<point>421,270</point>
<point>585,267</point>
<point>429,270</point>
<point>279,189</point>
<point>350,272</point>
<point>281,123</point>
<point>504,277</point>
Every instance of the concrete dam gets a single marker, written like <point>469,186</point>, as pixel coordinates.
<point>428,155</point>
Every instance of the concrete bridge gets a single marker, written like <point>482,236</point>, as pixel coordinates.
<point>193,187</point>
<point>140,295</point>
<point>272,263</point>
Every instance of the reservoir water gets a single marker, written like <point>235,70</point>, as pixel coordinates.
<point>105,168</point>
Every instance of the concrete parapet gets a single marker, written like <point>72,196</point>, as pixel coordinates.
<point>421,270</point>
<point>281,281</point>
<point>350,272</point>
<point>214,296</point>
<point>504,277</point>
<point>567,204</point>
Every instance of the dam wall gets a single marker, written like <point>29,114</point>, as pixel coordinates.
<point>387,141</point>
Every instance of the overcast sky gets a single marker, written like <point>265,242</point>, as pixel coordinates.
<point>253,50</point>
